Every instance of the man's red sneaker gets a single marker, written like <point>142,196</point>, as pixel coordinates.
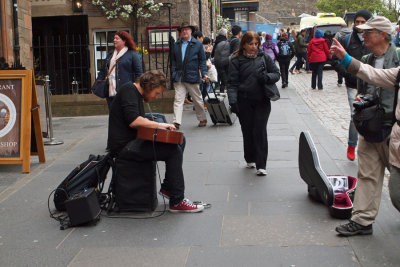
<point>351,153</point>
<point>185,206</point>
<point>164,193</point>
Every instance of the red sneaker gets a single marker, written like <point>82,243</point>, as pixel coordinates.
<point>164,193</point>
<point>351,153</point>
<point>185,206</point>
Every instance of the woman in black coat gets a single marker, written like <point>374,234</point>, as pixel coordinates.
<point>249,71</point>
<point>127,63</point>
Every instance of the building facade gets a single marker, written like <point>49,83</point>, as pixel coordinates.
<point>8,38</point>
<point>70,44</point>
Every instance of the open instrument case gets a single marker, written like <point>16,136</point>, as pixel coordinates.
<point>335,191</point>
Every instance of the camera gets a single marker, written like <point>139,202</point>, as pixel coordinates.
<point>366,102</point>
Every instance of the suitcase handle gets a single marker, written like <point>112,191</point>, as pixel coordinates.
<point>215,94</point>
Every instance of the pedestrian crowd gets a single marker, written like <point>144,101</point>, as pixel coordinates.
<point>243,65</point>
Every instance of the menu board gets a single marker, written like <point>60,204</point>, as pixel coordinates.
<point>19,119</point>
<point>10,117</point>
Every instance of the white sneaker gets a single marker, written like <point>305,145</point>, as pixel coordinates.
<point>251,165</point>
<point>261,172</point>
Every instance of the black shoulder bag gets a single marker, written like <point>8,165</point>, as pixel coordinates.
<point>368,118</point>
<point>271,90</point>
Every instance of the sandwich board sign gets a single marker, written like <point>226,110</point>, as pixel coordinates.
<point>20,129</point>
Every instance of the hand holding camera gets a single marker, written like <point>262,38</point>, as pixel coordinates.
<point>365,101</point>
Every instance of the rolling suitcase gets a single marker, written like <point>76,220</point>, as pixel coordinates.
<point>335,191</point>
<point>218,107</point>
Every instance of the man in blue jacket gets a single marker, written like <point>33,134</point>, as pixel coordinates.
<point>188,61</point>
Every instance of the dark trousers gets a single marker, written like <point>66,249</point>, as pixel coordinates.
<point>284,69</point>
<point>339,78</point>
<point>302,58</point>
<point>317,70</point>
<point>222,77</point>
<point>253,118</point>
<point>142,150</point>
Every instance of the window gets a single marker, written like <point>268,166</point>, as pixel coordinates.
<point>103,43</point>
<point>241,15</point>
<point>158,37</point>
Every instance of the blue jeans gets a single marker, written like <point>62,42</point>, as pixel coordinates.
<point>353,134</point>
<point>317,70</point>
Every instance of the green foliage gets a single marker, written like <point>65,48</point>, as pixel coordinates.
<point>339,7</point>
<point>223,23</point>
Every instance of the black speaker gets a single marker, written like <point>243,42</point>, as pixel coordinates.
<point>83,207</point>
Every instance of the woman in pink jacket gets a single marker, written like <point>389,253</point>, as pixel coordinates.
<point>317,54</point>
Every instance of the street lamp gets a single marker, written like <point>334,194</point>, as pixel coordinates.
<point>77,6</point>
<point>170,43</point>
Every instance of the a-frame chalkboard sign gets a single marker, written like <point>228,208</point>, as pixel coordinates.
<point>19,119</point>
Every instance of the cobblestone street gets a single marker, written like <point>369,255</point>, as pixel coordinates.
<point>330,105</point>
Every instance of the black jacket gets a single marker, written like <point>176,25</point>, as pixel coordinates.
<point>234,43</point>
<point>283,58</point>
<point>356,49</point>
<point>219,38</point>
<point>243,81</point>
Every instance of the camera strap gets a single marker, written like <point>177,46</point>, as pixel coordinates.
<point>396,95</point>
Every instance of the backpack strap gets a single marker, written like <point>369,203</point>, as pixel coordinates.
<point>347,40</point>
<point>396,95</point>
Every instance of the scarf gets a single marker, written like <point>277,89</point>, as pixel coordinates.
<point>112,91</point>
<point>249,55</point>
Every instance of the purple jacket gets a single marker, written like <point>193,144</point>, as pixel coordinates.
<point>269,47</point>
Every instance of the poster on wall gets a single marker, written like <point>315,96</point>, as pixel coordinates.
<point>10,117</point>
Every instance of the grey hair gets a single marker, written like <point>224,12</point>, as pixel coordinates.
<point>223,32</point>
<point>388,37</point>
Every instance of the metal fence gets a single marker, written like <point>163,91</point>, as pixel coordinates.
<point>67,60</point>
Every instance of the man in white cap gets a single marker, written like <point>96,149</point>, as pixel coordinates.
<point>373,149</point>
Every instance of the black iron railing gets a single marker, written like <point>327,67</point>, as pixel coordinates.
<point>66,59</point>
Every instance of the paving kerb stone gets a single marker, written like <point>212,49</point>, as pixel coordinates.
<point>253,220</point>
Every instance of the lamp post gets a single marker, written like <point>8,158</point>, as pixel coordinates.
<point>200,18</point>
<point>17,62</point>
<point>170,43</point>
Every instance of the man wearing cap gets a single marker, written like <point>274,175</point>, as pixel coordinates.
<point>373,148</point>
<point>354,45</point>
<point>188,61</point>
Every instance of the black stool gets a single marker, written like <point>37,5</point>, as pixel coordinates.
<point>134,185</point>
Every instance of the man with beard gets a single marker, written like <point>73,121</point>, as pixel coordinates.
<point>126,115</point>
<point>354,45</point>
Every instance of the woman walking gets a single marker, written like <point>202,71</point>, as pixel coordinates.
<point>270,48</point>
<point>249,71</point>
<point>123,65</point>
<point>317,54</point>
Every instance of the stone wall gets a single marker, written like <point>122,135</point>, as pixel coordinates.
<point>24,29</point>
<point>285,11</point>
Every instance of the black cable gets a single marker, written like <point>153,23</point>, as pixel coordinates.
<point>62,218</point>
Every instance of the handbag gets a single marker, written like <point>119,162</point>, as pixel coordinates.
<point>100,87</point>
<point>271,90</point>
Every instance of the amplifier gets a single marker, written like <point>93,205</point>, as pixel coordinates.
<point>83,207</point>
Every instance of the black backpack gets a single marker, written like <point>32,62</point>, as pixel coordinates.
<point>90,173</point>
<point>222,53</point>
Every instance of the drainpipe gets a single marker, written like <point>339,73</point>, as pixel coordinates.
<point>200,19</point>
<point>17,63</point>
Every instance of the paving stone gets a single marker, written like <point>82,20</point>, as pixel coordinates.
<point>299,256</point>
<point>127,256</point>
<point>280,230</point>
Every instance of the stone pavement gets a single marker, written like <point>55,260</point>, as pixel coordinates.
<point>253,221</point>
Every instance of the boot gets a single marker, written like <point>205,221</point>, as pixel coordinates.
<point>351,153</point>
